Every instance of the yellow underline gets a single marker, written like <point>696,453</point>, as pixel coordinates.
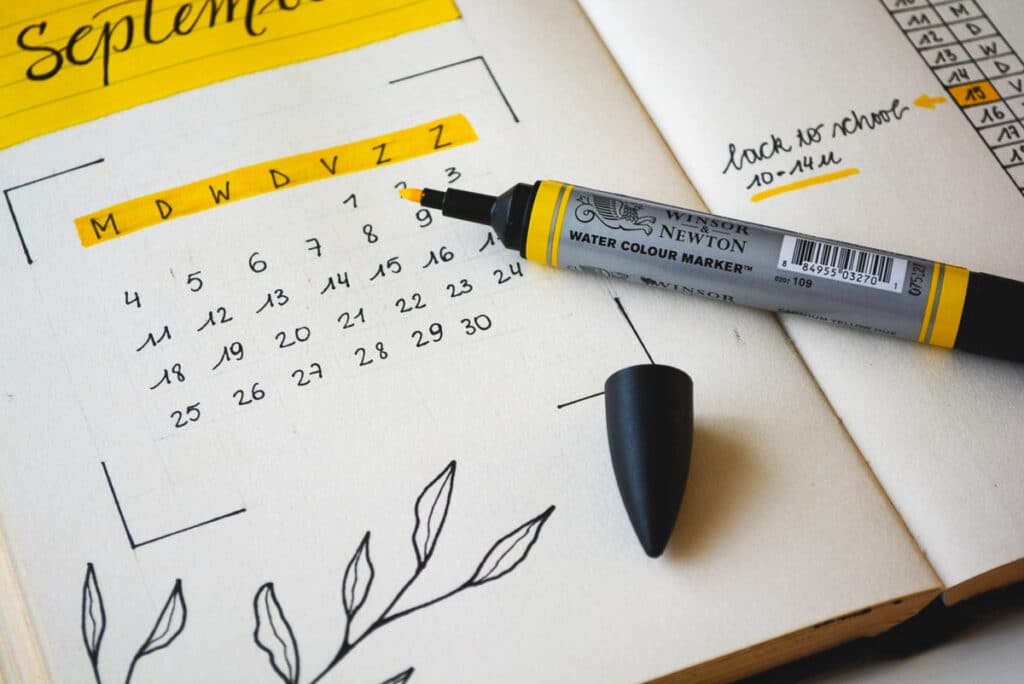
<point>805,183</point>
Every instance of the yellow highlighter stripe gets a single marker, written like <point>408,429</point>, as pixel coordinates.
<point>926,319</point>
<point>950,307</point>
<point>556,235</point>
<point>104,225</point>
<point>65,62</point>
<point>542,220</point>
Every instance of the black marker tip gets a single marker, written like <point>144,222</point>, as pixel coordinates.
<point>649,414</point>
<point>460,204</point>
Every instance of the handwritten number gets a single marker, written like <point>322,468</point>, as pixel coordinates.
<point>381,159</point>
<point>348,320</point>
<point>133,300</point>
<point>257,265</point>
<point>424,217</point>
<point>415,301</point>
<point>301,334</point>
<point>453,174</point>
<point>513,270</point>
<point>443,255</point>
<point>195,283</point>
<point>434,333</point>
<point>366,358</point>
<point>191,414</point>
<point>464,287</point>
<point>371,237</point>
<point>232,352</point>
<point>303,377</point>
<point>392,265</point>
<point>255,394</point>
<point>477,323</point>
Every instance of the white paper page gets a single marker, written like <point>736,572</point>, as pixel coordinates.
<point>941,430</point>
<point>282,466</point>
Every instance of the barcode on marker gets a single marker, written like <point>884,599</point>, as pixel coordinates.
<point>843,263</point>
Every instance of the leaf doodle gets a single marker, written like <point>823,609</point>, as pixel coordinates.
<point>431,511</point>
<point>94,617</point>
<point>358,578</point>
<point>274,635</point>
<point>168,626</point>
<point>509,551</point>
<point>400,678</point>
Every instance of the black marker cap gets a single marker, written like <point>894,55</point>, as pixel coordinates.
<point>649,413</point>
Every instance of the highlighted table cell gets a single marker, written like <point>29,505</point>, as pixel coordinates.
<point>969,94</point>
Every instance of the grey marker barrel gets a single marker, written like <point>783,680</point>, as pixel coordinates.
<point>750,264</point>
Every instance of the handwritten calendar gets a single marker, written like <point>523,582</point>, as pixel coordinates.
<point>380,285</point>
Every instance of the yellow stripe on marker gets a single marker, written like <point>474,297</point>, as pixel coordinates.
<point>929,304</point>
<point>249,181</point>
<point>556,238</point>
<point>541,221</point>
<point>951,307</point>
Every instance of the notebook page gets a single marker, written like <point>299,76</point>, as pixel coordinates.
<point>236,395</point>
<point>852,135</point>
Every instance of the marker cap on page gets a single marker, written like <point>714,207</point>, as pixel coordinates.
<point>649,414</point>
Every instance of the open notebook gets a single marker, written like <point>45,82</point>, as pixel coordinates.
<point>263,421</point>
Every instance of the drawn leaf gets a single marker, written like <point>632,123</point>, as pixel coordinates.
<point>169,624</point>
<point>509,551</point>
<point>274,635</point>
<point>358,578</point>
<point>400,678</point>
<point>94,617</point>
<point>431,511</point>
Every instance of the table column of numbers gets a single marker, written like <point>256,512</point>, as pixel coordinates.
<point>978,68</point>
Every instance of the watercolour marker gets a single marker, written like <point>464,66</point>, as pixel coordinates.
<point>744,263</point>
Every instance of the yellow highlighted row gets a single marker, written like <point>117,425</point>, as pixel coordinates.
<point>64,63</point>
<point>805,183</point>
<point>969,94</point>
<point>112,222</point>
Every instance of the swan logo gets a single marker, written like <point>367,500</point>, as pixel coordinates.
<point>614,213</point>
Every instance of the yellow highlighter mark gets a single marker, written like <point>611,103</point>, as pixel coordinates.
<point>115,221</point>
<point>805,183</point>
<point>65,63</point>
<point>970,94</point>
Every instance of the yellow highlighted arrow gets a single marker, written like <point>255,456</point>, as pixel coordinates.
<point>928,102</point>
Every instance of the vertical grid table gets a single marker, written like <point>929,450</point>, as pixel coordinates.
<point>976,65</point>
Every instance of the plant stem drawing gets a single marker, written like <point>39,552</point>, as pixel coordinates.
<point>94,622</point>
<point>273,633</point>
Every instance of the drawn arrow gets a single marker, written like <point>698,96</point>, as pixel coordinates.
<point>928,102</point>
